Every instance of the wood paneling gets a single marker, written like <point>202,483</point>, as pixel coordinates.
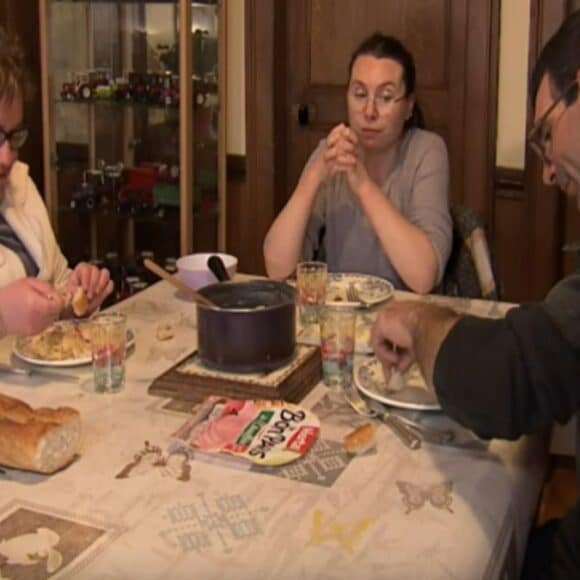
<point>257,201</point>
<point>508,240</point>
<point>480,116</point>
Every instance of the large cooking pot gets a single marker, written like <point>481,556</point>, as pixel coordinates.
<point>251,330</point>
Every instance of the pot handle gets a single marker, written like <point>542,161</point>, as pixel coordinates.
<point>217,266</point>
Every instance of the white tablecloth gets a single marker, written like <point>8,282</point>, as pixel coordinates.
<point>118,512</point>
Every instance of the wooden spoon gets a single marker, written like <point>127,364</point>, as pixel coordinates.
<point>183,288</point>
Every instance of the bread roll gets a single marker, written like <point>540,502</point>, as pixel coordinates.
<point>42,440</point>
<point>361,439</point>
<point>80,302</point>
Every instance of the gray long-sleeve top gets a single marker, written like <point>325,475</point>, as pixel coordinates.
<point>417,186</point>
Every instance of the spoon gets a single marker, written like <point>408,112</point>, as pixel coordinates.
<point>183,288</point>
<point>218,268</point>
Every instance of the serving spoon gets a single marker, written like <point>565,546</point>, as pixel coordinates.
<point>183,288</point>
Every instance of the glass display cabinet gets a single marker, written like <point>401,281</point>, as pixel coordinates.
<point>133,128</point>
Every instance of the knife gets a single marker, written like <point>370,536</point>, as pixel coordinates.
<point>28,372</point>
<point>430,434</point>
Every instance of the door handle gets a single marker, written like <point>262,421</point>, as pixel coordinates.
<point>304,113</point>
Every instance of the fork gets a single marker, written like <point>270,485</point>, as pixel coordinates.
<point>353,295</point>
<point>430,434</point>
<point>404,433</point>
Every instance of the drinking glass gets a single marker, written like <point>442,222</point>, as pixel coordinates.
<point>311,284</point>
<point>108,345</point>
<point>337,338</point>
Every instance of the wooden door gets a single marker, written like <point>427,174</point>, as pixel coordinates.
<point>452,42</point>
<point>297,51</point>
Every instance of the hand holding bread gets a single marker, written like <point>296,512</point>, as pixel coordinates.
<point>28,306</point>
<point>42,440</point>
<point>88,286</point>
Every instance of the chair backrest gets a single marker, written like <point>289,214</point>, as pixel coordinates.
<point>469,271</point>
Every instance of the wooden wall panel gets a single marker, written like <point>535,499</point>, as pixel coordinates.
<point>508,241</point>
<point>257,199</point>
<point>481,108</point>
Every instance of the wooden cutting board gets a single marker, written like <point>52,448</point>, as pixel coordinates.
<point>188,380</point>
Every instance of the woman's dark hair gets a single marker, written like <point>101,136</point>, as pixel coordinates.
<point>14,79</point>
<point>560,59</point>
<point>383,46</point>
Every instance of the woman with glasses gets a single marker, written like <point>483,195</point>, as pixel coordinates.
<point>373,197</point>
<point>29,253</point>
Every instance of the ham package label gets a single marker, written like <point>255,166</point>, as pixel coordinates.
<point>268,433</point>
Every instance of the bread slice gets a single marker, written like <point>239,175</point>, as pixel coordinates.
<point>80,302</point>
<point>361,439</point>
<point>42,440</point>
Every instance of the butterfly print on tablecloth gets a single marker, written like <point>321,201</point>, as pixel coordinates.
<point>414,496</point>
<point>151,458</point>
<point>333,408</point>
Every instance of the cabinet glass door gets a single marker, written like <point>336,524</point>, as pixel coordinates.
<point>116,187</point>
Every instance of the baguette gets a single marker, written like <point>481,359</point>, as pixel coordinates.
<point>42,440</point>
<point>361,439</point>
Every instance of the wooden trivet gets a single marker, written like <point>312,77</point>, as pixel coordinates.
<point>189,380</point>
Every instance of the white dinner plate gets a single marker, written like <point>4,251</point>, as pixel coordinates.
<point>414,394</point>
<point>372,290</point>
<point>68,362</point>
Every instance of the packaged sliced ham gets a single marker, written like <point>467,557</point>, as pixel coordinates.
<point>263,432</point>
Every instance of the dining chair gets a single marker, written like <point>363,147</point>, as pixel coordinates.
<point>469,272</point>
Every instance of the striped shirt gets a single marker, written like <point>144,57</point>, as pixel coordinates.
<point>11,241</point>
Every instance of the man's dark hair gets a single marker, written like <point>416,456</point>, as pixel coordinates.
<point>383,46</point>
<point>560,59</point>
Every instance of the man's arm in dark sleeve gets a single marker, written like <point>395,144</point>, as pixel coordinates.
<point>504,378</point>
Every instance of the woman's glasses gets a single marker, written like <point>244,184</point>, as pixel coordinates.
<point>382,102</point>
<point>16,138</point>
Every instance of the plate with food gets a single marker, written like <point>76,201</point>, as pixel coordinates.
<point>66,343</point>
<point>358,290</point>
<point>406,390</point>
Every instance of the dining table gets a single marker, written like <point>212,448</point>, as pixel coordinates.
<point>128,508</point>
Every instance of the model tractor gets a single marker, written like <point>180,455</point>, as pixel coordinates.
<point>136,193</point>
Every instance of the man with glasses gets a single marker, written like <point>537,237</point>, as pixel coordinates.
<point>504,378</point>
<point>35,281</point>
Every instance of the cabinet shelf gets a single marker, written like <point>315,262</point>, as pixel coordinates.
<point>142,216</point>
<point>118,104</point>
<point>193,3</point>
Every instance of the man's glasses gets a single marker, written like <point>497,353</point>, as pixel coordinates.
<point>383,102</point>
<point>16,138</point>
<point>540,136</point>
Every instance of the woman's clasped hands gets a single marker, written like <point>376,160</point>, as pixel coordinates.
<point>343,154</point>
